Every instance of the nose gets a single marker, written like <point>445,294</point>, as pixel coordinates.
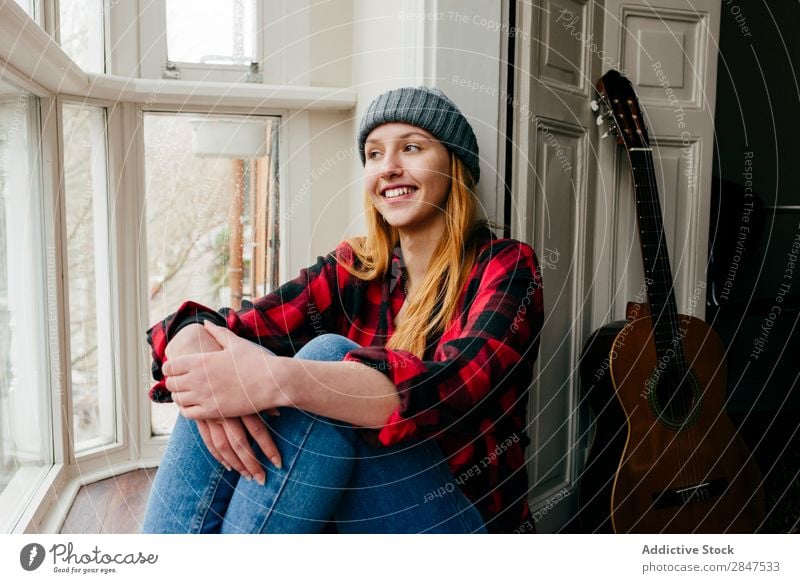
<point>390,165</point>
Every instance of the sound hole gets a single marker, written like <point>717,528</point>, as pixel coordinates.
<point>675,399</point>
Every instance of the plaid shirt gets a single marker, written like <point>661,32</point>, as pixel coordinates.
<point>469,391</point>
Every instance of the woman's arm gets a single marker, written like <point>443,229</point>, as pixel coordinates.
<point>283,321</point>
<point>346,391</point>
<point>242,379</point>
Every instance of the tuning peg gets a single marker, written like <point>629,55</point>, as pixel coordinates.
<point>612,131</point>
<point>594,105</point>
<point>600,120</point>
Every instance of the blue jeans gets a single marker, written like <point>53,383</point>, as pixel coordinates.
<point>328,474</point>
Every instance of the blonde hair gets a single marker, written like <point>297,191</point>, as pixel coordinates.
<point>447,272</point>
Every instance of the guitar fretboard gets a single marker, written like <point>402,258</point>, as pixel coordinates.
<point>655,258</point>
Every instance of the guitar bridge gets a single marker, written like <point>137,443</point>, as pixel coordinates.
<point>690,494</point>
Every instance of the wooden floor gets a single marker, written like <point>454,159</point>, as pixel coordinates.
<point>112,506</point>
<point>116,505</point>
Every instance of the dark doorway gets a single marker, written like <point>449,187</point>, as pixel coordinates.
<point>754,263</point>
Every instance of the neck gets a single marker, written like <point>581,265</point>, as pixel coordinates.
<point>418,248</point>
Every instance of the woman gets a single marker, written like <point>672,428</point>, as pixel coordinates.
<point>382,390</point>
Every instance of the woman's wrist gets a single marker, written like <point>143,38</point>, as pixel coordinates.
<point>288,378</point>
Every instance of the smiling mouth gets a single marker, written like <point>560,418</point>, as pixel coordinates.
<point>400,192</point>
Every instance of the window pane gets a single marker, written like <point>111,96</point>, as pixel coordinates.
<point>211,31</point>
<point>25,430</point>
<point>212,222</point>
<point>86,197</point>
<point>82,33</point>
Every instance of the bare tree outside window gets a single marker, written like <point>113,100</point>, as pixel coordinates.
<point>212,214</point>
<point>81,32</point>
<point>86,201</point>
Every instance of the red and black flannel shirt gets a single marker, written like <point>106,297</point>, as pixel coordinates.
<point>469,392</point>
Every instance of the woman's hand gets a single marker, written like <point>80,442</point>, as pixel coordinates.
<point>226,439</point>
<point>236,381</point>
<point>189,340</point>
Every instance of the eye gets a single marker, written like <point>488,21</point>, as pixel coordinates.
<point>415,147</point>
<point>372,154</point>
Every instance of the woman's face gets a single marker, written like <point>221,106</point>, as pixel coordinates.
<point>407,175</point>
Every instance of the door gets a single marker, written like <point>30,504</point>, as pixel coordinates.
<point>572,199</point>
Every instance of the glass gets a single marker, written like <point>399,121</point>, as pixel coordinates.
<point>25,428</point>
<point>82,33</point>
<point>86,198</point>
<point>211,31</point>
<point>211,188</point>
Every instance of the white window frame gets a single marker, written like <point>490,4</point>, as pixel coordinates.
<point>37,262</point>
<point>278,52</point>
<point>99,452</point>
<point>152,446</point>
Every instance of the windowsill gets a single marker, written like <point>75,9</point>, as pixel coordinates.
<point>50,505</point>
<point>159,92</point>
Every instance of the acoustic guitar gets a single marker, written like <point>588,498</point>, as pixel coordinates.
<point>665,456</point>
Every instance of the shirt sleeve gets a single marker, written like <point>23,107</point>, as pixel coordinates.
<point>282,321</point>
<point>497,347</point>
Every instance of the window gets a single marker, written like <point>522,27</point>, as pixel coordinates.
<point>211,32</point>
<point>82,33</point>
<point>86,199</point>
<point>211,189</point>
<point>25,429</point>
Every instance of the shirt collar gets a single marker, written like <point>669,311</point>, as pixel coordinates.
<point>398,265</point>
<point>482,232</point>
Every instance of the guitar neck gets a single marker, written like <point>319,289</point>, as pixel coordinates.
<point>655,257</point>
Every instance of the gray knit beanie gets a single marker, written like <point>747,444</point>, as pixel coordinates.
<point>427,108</point>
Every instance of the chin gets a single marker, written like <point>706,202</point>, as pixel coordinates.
<point>397,223</point>
<point>406,222</point>
<point>395,218</point>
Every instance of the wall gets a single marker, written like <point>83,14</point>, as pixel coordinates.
<point>331,134</point>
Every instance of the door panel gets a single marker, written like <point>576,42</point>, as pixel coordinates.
<point>665,50</point>
<point>559,157</point>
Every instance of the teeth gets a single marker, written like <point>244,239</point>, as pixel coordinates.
<point>393,192</point>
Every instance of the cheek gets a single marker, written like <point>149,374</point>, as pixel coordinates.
<point>438,178</point>
<point>442,167</point>
<point>370,180</point>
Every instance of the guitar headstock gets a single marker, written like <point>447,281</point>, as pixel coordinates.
<point>620,106</point>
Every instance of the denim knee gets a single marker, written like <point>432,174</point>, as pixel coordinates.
<point>331,347</point>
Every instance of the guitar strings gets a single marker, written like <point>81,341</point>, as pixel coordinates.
<point>677,372</point>
<point>648,209</point>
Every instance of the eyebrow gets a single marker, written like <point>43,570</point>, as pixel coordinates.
<point>403,137</point>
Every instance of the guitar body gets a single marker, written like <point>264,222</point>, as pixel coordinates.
<point>651,472</point>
